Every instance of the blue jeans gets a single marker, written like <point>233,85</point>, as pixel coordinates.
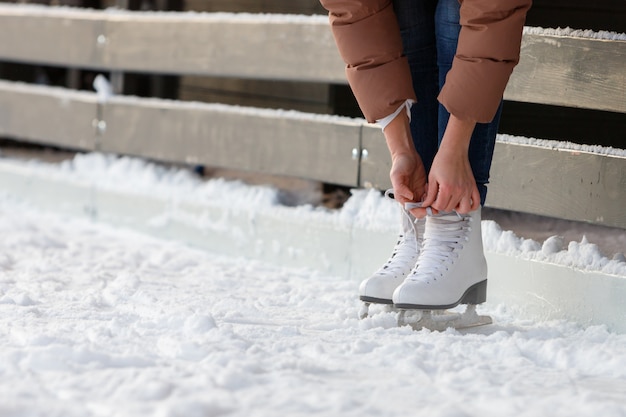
<point>430,33</point>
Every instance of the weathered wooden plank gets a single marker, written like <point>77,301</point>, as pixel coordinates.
<point>313,98</point>
<point>268,47</point>
<point>573,72</point>
<point>266,141</point>
<point>559,183</point>
<point>565,71</point>
<point>564,184</point>
<point>256,6</point>
<point>596,15</point>
<point>49,36</point>
<point>223,46</point>
<point>375,159</point>
<point>53,116</point>
<point>272,142</point>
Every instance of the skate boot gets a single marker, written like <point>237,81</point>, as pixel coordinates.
<point>379,287</point>
<point>451,270</point>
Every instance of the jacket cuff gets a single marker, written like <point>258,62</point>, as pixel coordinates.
<point>388,119</point>
<point>476,95</point>
<point>380,91</point>
<point>487,52</point>
<point>371,46</point>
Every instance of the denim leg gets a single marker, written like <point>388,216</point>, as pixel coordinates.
<point>484,137</point>
<point>417,25</point>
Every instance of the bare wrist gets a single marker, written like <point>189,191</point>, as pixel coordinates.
<point>457,135</point>
<point>398,136</point>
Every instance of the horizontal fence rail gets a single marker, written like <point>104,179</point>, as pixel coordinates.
<point>211,44</point>
<point>561,183</point>
<point>323,148</point>
<point>558,70</point>
<point>550,181</point>
<point>571,72</point>
<point>577,72</point>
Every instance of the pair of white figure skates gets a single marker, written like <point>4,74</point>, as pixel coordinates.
<point>437,264</point>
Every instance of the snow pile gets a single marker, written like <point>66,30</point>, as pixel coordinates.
<point>581,255</point>
<point>370,210</point>
<point>562,145</point>
<point>366,209</point>
<point>118,13</point>
<point>135,175</point>
<point>575,33</point>
<point>99,321</point>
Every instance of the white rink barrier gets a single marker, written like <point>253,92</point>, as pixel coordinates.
<point>333,244</point>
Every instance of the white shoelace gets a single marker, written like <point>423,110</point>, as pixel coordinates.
<point>404,252</point>
<point>406,248</point>
<point>445,235</point>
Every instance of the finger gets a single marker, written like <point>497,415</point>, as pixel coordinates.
<point>475,199</point>
<point>422,212</point>
<point>451,204</point>
<point>401,190</point>
<point>431,194</point>
<point>424,193</point>
<point>419,213</point>
<point>402,193</point>
<point>444,201</point>
<point>465,205</point>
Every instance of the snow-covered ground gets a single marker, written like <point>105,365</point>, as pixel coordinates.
<point>101,321</point>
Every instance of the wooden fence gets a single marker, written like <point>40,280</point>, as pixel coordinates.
<point>558,70</point>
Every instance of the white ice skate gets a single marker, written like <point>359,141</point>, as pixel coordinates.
<point>451,270</point>
<point>379,287</point>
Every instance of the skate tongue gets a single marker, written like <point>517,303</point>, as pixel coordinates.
<point>445,228</point>
<point>444,234</point>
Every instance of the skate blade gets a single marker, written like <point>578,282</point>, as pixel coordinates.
<point>440,320</point>
<point>365,309</point>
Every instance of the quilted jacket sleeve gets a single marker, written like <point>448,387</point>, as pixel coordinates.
<point>368,39</point>
<point>488,50</point>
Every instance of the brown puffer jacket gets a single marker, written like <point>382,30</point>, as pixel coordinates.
<point>368,39</point>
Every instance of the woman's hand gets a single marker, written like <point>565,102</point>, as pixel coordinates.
<point>451,183</point>
<point>408,176</point>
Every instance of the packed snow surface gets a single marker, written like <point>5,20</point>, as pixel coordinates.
<point>98,321</point>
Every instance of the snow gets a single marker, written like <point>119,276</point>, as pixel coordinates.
<point>97,321</point>
<point>576,33</point>
<point>582,255</point>
<point>240,110</point>
<point>101,321</point>
<point>365,209</point>
<point>104,89</point>
<point>562,145</point>
<point>164,16</point>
